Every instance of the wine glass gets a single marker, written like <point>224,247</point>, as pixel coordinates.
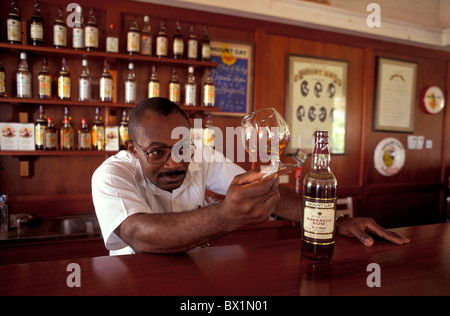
<point>265,134</point>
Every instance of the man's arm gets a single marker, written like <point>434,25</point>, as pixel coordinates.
<point>250,200</point>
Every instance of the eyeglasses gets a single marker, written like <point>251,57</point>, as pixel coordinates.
<point>182,151</point>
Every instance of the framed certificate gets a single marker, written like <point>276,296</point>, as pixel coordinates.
<point>396,95</point>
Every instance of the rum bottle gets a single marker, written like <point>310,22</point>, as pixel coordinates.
<point>14,25</point>
<point>91,32</point>
<point>130,85</point>
<point>23,78</point>
<point>146,37</point>
<point>78,31</point>
<point>67,137</point>
<point>123,130</point>
<point>50,135</point>
<point>39,129</point>
<point>59,31</point>
<point>112,40</point>
<point>319,203</point>
<point>37,26</point>
<point>192,51</point>
<point>64,81</point>
<point>190,89</point>
<point>106,84</point>
<point>209,91</point>
<point>45,81</point>
<point>174,88</point>
<point>98,132</point>
<point>178,42</point>
<point>84,82</point>
<point>133,38</point>
<point>2,81</point>
<point>153,85</point>
<point>161,41</point>
<point>84,136</point>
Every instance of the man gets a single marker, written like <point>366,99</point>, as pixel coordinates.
<point>147,200</point>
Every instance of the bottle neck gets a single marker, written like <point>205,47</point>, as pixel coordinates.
<point>321,157</point>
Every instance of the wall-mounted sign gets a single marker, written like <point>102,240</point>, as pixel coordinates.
<point>433,100</point>
<point>389,157</point>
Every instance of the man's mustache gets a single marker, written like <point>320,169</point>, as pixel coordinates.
<point>172,173</point>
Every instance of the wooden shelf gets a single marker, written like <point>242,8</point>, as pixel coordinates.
<point>68,52</point>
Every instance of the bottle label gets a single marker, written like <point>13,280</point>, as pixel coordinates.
<point>174,92</point>
<point>85,141</point>
<point>60,35</point>
<point>45,86</point>
<point>2,83</point>
<point>190,94</point>
<point>39,134</point>
<point>206,51</point>
<point>192,49</point>
<point>37,31</point>
<point>124,134</point>
<point>209,95</point>
<point>64,87</point>
<point>106,88</point>
<point>112,44</point>
<point>23,85</point>
<point>85,89</point>
<point>153,89</point>
<point>161,46</point>
<point>67,140</point>
<point>14,30</point>
<point>178,46</point>
<point>209,137</point>
<point>50,140</point>
<point>98,137</point>
<point>130,92</point>
<point>319,216</point>
<point>78,38</point>
<point>133,42</point>
<point>91,39</point>
<point>146,45</point>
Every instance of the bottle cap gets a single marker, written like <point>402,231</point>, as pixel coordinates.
<point>321,137</point>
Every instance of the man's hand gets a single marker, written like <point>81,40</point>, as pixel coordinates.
<point>359,226</point>
<point>250,200</point>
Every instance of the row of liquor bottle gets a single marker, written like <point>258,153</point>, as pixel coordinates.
<point>106,84</point>
<point>86,36</point>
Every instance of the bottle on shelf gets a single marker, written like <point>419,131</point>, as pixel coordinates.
<point>178,42</point>
<point>98,132</point>
<point>84,136</point>
<point>91,32</point>
<point>50,135</point>
<point>190,89</point>
<point>153,85</point>
<point>192,52</point>
<point>84,82</point>
<point>39,129</point>
<point>14,25</point>
<point>161,41</point>
<point>133,38</point>
<point>174,88</point>
<point>23,78</point>
<point>206,45</point>
<point>106,84</point>
<point>78,30</point>
<point>2,81</point>
<point>319,203</point>
<point>130,85</point>
<point>123,130</point>
<point>209,91</point>
<point>146,37</point>
<point>66,137</point>
<point>64,81</point>
<point>59,31</point>
<point>45,81</point>
<point>112,40</point>
<point>208,132</point>
<point>37,26</point>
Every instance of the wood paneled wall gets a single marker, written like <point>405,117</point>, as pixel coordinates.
<point>414,196</point>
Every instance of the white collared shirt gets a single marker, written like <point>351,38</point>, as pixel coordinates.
<point>120,189</point>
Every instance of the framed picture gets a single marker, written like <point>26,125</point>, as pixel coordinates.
<point>396,95</point>
<point>233,78</point>
<point>316,100</point>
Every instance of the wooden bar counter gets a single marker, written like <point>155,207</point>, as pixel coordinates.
<point>252,262</point>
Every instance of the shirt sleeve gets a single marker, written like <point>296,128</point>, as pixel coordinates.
<point>116,196</point>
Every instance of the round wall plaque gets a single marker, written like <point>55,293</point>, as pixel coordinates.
<point>389,157</point>
<point>433,100</point>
